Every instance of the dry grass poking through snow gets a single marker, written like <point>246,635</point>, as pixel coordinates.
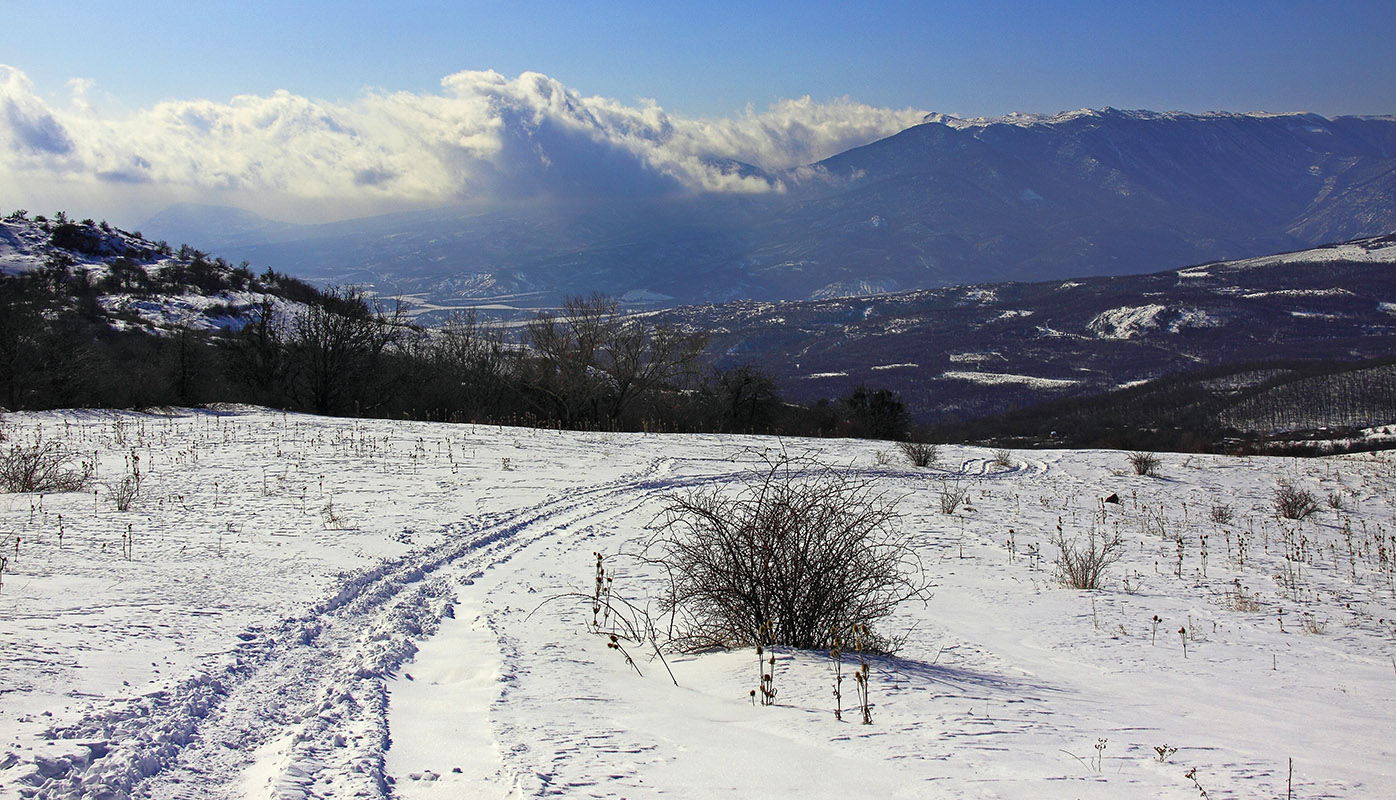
<point>285,595</point>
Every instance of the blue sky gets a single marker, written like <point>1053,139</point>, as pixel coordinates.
<point>139,98</point>
<point>714,58</point>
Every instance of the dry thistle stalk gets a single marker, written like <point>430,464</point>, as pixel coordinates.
<point>620,621</point>
<point>615,644</point>
<point>767,676</point>
<point>601,597</point>
<point>861,676</point>
<point>836,654</point>
<point>1192,776</point>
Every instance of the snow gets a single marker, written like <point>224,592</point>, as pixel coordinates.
<point>1126,322</point>
<point>850,289</point>
<point>1332,292</point>
<point>980,296</point>
<point>25,246</point>
<point>192,310</point>
<point>1194,318</point>
<point>882,367</point>
<point>975,358</point>
<point>21,247</point>
<point>1025,120</point>
<point>1364,251</point>
<point>644,296</point>
<point>1001,378</point>
<point>1014,314</point>
<point>349,608</point>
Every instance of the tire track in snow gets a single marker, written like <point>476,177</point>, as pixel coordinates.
<point>309,693</point>
<point>536,760</point>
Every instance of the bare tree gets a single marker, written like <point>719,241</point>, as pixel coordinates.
<point>469,363</point>
<point>257,354</point>
<point>747,398</point>
<point>643,357</point>
<point>22,328</point>
<point>335,346</point>
<point>593,362</point>
<point>567,348</point>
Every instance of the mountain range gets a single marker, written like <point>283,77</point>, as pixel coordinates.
<point>947,202</point>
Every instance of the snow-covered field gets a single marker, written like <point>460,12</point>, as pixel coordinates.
<point>307,607</point>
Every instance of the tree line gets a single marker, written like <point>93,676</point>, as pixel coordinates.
<point>587,365</point>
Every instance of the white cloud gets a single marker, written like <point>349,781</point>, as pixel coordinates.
<point>33,135</point>
<point>483,136</point>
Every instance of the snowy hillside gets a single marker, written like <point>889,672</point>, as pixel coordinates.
<point>297,606</point>
<point>1069,338</point>
<point>138,284</point>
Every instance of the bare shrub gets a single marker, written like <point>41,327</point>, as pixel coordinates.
<point>1144,463</point>
<point>125,492</point>
<point>921,454</point>
<point>1082,565</point>
<point>798,555</point>
<point>1240,598</point>
<point>951,496</point>
<point>1313,625</point>
<point>42,467</point>
<point>1292,503</point>
<point>1221,513</point>
<point>333,517</point>
<point>1003,457</point>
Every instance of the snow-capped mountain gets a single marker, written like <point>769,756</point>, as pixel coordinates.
<point>949,201</point>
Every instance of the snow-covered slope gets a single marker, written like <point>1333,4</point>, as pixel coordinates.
<point>307,607</point>
<point>136,283</point>
<point>1081,336</point>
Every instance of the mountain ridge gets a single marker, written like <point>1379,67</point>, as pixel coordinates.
<point>944,202</point>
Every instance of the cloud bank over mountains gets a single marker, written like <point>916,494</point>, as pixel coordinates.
<point>482,137</point>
